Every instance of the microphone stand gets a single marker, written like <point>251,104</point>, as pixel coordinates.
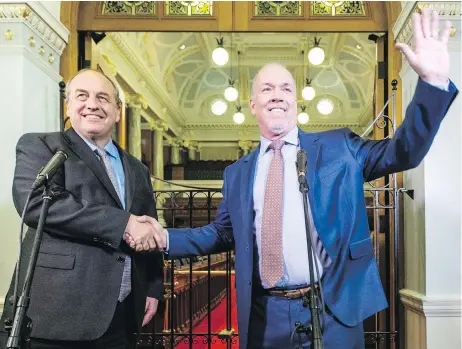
<point>20,328</point>
<point>311,298</point>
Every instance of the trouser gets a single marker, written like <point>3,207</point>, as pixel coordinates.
<point>273,318</point>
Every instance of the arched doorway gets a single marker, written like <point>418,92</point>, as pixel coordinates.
<point>237,17</point>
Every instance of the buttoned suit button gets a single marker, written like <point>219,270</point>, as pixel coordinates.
<point>120,259</point>
<point>249,283</point>
<point>247,247</point>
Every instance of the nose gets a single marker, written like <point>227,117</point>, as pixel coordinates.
<point>277,95</point>
<point>92,104</point>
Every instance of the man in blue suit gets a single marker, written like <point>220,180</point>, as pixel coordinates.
<point>261,215</point>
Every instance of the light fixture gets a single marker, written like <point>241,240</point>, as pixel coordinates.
<point>238,117</point>
<point>358,46</point>
<point>219,107</point>
<point>220,56</point>
<point>325,106</point>
<point>308,92</point>
<point>303,117</point>
<point>231,93</point>
<point>316,54</point>
<point>182,46</point>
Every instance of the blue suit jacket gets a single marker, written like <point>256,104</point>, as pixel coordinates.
<point>339,162</point>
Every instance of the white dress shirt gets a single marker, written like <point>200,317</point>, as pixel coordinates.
<point>295,251</point>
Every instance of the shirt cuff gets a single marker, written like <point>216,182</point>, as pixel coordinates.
<point>166,248</point>
<point>445,87</point>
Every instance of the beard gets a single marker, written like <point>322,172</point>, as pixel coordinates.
<point>279,126</point>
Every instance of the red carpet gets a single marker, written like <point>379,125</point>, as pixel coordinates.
<point>218,323</point>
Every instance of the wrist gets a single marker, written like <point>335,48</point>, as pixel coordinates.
<point>131,220</point>
<point>441,82</point>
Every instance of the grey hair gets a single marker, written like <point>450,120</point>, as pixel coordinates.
<point>116,89</point>
<point>272,64</point>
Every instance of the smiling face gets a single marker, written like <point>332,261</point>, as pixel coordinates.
<point>274,101</point>
<point>92,106</point>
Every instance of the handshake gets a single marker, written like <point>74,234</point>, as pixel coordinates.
<point>144,233</point>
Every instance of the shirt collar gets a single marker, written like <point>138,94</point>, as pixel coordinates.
<point>110,147</point>
<point>291,138</point>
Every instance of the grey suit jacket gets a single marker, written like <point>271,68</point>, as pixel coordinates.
<point>79,268</point>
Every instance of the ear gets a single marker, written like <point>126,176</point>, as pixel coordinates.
<point>68,105</point>
<point>252,106</point>
<point>119,110</point>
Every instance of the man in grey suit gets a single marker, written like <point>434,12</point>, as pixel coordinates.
<point>89,290</point>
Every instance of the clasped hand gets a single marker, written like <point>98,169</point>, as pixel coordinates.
<point>144,233</point>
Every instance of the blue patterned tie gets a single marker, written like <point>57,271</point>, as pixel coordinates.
<point>125,287</point>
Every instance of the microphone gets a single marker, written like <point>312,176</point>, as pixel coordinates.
<point>301,166</point>
<point>50,169</point>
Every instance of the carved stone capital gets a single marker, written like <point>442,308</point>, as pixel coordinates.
<point>45,26</point>
<point>159,125</point>
<point>245,145</point>
<point>136,100</point>
<point>447,10</point>
<point>174,142</point>
<point>191,145</point>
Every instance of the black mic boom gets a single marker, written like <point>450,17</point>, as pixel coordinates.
<point>301,166</point>
<point>50,169</point>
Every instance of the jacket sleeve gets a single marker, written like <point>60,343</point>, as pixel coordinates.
<point>412,139</point>
<point>69,216</point>
<point>213,238</point>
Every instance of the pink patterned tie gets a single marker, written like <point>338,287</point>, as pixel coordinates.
<point>271,230</point>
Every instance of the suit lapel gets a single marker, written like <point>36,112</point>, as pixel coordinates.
<point>129,178</point>
<point>84,152</point>
<point>309,143</point>
<point>247,181</point>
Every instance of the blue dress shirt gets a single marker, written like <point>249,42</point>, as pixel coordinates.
<point>116,164</point>
<point>295,250</point>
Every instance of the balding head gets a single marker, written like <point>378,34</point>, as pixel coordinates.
<point>93,106</point>
<point>269,67</point>
<point>274,101</point>
<point>90,71</point>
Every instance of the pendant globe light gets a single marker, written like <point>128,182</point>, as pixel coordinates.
<point>219,107</point>
<point>231,93</point>
<point>316,54</point>
<point>308,92</point>
<point>303,117</point>
<point>325,106</point>
<point>238,117</point>
<point>219,55</point>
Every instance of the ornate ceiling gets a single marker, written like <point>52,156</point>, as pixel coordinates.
<point>185,80</point>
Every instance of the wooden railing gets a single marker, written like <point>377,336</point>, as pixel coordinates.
<point>191,287</point>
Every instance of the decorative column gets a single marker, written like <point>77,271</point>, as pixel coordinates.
<point>159,127</point>
<point>135,103</point>
<point>245,146</point>
<point>432,222</point>
<point>175,148</point>
<point>32,40</point>
<point>192,147</point>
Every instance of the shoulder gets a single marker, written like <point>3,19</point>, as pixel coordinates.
<point>34,139</point>
<point>338,133</point>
